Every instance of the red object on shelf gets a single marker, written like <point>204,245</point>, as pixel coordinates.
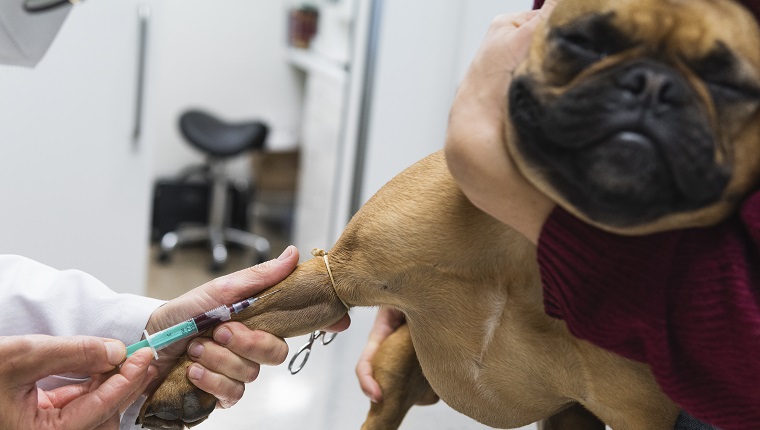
<point>303,26</point>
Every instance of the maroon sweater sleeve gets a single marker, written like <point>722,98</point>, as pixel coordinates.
<point>685,302</point>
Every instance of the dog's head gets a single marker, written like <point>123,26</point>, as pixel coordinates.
<point>641,115</point>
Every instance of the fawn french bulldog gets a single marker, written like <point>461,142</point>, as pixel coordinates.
<point>638,116</point>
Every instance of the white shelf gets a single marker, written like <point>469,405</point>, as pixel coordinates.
<point>312,62</point>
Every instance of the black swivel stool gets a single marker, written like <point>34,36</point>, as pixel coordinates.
<point>219,141</point>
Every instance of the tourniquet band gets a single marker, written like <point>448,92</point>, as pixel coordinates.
<point>322,253</point>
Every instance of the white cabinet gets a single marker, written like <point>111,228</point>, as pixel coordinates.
<point>74,185</point>
<point>324,95</point>
<point>326,71</point>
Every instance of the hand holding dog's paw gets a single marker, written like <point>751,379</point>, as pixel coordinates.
<point>476,151</point>
<point>177,403</point>
<point>217,368</point>
<point>236,351</point>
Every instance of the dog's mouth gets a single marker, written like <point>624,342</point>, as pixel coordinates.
<point>623,162</point>
<point>618,162</point>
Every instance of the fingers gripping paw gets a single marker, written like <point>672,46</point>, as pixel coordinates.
<point>176,404</point>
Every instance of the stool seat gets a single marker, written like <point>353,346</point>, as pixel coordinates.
<point>221,139</point>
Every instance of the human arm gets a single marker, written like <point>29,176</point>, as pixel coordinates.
<point>475,149</point>
<point>233,356</point>
<point>386,322</point>
<point>92,404</point>
<point>685,302</point>
<point>40,299</point>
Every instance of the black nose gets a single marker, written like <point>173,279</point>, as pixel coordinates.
<point>653,84</point>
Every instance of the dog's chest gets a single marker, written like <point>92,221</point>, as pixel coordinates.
<point>475,355</point>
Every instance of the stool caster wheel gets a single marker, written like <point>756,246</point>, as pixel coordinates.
<point>169,241</point>
<point>164,257</point>
<point>219,257</point>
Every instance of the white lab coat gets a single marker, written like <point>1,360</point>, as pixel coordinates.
<point>37,299</point>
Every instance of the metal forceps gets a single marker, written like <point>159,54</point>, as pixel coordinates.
<point>302,356</point>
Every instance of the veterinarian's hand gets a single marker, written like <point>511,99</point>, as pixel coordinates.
<point>93,404</point>
<point>386,322</point>
<point>233,357</point>
<point>475,149</point>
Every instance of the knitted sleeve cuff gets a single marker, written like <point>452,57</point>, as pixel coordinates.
<point>603,285</point>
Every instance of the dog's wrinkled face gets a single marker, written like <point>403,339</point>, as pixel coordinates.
<point>641,115</point>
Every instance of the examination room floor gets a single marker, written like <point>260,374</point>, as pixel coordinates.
<point>325,395</point>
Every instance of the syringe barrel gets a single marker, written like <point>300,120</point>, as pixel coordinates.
<point>212,317</point>
<point>164,338</point>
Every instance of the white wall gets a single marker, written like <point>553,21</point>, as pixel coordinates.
<point>413,86</point>
<point>424,52</point>
<point>226,56</point>
<point>478,15</point>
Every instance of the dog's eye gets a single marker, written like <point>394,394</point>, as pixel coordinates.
<point>583,42</point>
<point>729,92</point>
<point>721,70</point>
<point>580,46</point>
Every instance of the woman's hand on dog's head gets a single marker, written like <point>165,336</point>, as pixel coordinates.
<point>476,151</point>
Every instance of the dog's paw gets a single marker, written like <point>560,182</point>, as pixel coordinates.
<point>176,403</point>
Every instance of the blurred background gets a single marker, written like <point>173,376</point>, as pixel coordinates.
<point>97,170</point>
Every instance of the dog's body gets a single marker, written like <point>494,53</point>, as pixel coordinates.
<point>473,302</point>
<point>469,286</point>
<point>470,290</point>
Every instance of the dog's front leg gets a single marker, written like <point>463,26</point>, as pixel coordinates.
<point>396,368</point>
<point>305,301</point>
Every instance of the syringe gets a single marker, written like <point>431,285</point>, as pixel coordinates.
<point>160,340</point>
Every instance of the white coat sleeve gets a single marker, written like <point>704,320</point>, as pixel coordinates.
<point>37,299</point>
